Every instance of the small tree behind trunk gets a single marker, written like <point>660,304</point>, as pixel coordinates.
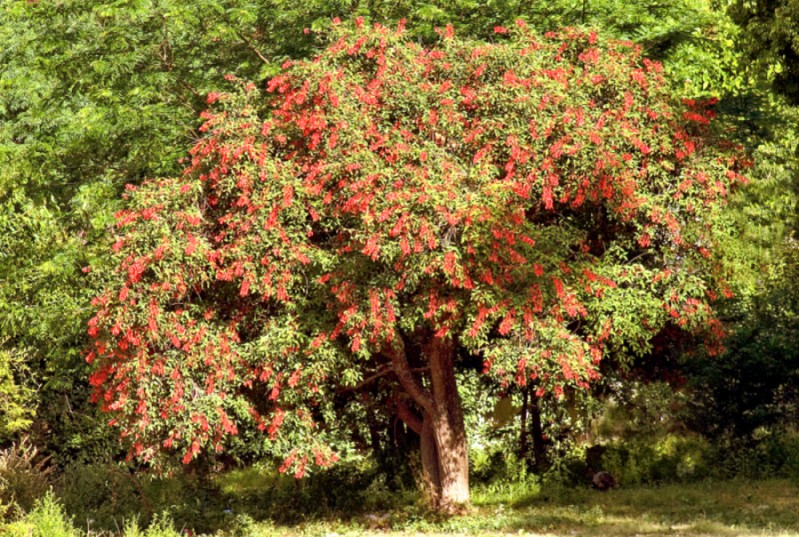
<point>537,433</point>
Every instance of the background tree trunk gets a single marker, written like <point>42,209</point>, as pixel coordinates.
<point>537,434</point>
<point>523,427</point>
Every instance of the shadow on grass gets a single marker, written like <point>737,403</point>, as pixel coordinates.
<point>103,497</point>
<point>708,508</point>
<point>359,500</point>
<point>700,509</point>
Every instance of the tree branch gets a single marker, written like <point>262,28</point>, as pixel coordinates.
<point>399,361</point>
<point>409,417</point>
<point>382,372</point>
<point>252,47</point>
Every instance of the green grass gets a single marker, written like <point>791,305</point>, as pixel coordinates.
<point>731,508</point>
<point>721,508</point>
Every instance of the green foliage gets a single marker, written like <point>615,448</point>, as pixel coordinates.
<point>752,386</point>
<point>641,410</point>
<point>162,526</point>
<point>505,481</point>
<point>107,497</point>
<point>106,494</point>
<point>352,488</point>
<point>17,394</point>
<point>688,458</point>
<point>775,454</point>
<point>669,459</point>
<point>47,519</point>
<point>770,39</point>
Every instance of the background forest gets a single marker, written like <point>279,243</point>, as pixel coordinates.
<point>97,95</point>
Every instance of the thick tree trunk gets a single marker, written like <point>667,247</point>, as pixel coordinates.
<point>448,431</point>
<point>431,477</point>
<point>445,460</point>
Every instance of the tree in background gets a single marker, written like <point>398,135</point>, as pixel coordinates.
<point>747,394</point>
<point>770,38</point>
<point>750,391</point>
<point>536,202</point>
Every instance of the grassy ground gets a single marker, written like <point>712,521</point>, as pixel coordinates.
<point>732,508</point>
<point>720,508</point>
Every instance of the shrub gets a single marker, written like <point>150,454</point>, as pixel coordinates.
<point>17,394</point>
<point>161,526</point>
<point>669,459</point>
<point>102,495</point>
<point>774,454</point>
<point>46,519</point>
<point>353,487</point>
<point>24,477</point>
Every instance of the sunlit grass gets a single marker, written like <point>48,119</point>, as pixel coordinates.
<point>252,505</point>
<point>730,508</point>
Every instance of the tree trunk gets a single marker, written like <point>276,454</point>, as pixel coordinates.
<point>537,433</point>
<point>374,426</point>
<point>431,478</point>
<point>448,431</point>
<point>445,460</point>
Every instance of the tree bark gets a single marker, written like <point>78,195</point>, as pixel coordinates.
<point>431,478</point>
<point>447,427</point>
<point>445,460</point>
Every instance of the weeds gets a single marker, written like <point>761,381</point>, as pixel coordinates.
<point>24,477</point>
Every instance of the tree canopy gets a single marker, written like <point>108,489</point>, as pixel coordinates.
<point>533,201</point>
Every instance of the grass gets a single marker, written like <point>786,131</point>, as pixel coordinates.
<point>731,508</point>
<point>711,508</point>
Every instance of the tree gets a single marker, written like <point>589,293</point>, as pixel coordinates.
<point>389,209</point>
<point>751,388</point>
<point>769,39</point>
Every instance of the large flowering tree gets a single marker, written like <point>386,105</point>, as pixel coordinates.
<point>390,209</point>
